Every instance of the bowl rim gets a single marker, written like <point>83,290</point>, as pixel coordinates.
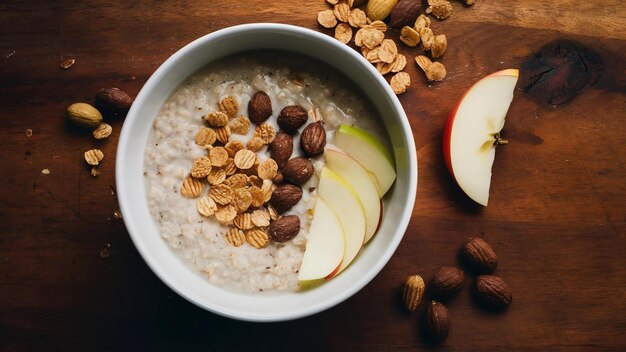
<point>124,201</point>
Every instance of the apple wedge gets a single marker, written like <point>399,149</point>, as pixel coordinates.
<point>361,181</point>
<point>325,247</point>
<point>472,132</point>
<point>345,203</point>
<point>368,151</point>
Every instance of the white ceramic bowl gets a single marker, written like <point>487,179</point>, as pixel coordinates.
<point>131,188</point>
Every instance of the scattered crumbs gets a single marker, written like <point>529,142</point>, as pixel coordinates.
<point>105,253</point>
<point>67,63</point>
<point>45,172</point>
<point>117,214</point>
<point>133,78</point>
<point>113,190</point>
<point>95,172</point>
<point>55,156</point>
<point>29,132</point>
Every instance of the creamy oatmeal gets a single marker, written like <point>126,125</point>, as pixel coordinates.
<point>202,241</point>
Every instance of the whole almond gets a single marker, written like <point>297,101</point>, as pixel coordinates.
<point>291,118</point>
<point>285,228</point>
<point>479,255</point>
<point>113,100</point>
<point>447,281</point>
<point>405,12</point>
<point>313,139</point>
<point>436,322</point>
<point>259,107</point>
<point>379,9</point>
<point>285,196</point>
<point>279,178</point>
<point>413,292</point>
<point>84,115</point>
<point>298,170</point>
<point>493,291</point>
<point>281,148</point>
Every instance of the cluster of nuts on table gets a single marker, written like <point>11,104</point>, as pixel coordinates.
<point>368,19</point>
<point>490,290</point>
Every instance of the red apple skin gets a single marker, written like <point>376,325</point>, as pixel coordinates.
<point>334,272</point>
<point>447,130</point>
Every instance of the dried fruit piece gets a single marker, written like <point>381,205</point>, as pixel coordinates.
<point>233,146</point>
<point>357,19</point>
<point>399,63</point>
<point>342,12</point>
<point>222,194</point>
<point>285,228</point>
<point>281,148</point>
<point>327,19</point>
<point>436,322</point>
<point>388,51</point>
<point>440,44</point>
<point>441,9</point>
<point>94,156</point>
<point>225,215</point>
<point>267,169</point>
<point>243,221</point>
<point>242,199</point>
<point>240,125</point>
<point>313,139</point>
<point>400,82</point>
<point>266,132</point>
<point>201,167</point>
<point>191,188</point>
<point>218,156</point>
<point>206,206</point>
<point>244,159</point>
<point>229,106</point>
<point>409,36</point>
<point>257,238</point>
<point>216,119</point>
<point>259,107</point>
<point>223,133</point>
<point>205,137</point>
<point>298,170</point>
<point>413,292</point>
<point>479,254</point>
<point>435,71</point>
<point>255,144</point>
<point>493,291</point>
<point>285,196</point>
<point>379,9</point>
<point>405,12</point>
<point>216,176</point>
<point>343,33</point>
<point>84,115</point>
<point>260,218</point>
<point>447,282</point>
<point>292,117</point>
<point>235,237</point>
<point>102,131</point>
<point>113,100</point>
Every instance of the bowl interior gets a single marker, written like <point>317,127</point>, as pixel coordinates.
<point>131,189</point>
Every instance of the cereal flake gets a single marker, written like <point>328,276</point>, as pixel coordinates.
<point>400,82</point>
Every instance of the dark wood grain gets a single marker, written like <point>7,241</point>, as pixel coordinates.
<point>557,213</point>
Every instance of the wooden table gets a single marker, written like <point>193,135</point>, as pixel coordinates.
<point>557,213</point>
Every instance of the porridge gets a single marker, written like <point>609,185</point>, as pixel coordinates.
<point>233,163</point>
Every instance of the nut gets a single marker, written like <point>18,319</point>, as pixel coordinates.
<point>479,255</point>
<point>436,322</point>
<point>298,171</point>
<point>493,291</point>
<point>102,131</point>
<point>285,228</point>
<point>441,9</point>
<point>413,292</point>
<point>259,107</point>
<point>285,196</point>
<point>379,9</point>
<point>291,118</point>
<point>94,156</point>
<point>281,148</point>
<point>113,100</point>
<point>278,178</point>
<point>447,281</point>
<point>405,13</point>
<point>313,139</point>
<point>84,115</point>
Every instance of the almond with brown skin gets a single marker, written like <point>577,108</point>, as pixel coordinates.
<point>313,139</point>
<point>279,178</point>
<point>285,196</point>
<point>479,254</point>
<point>285,228</point>
<point>448,281</point>
<point>113,100</point>
<point>493,291</point>
<point>281,148</point>
<point>298,170</point>
<point>405,12</point>
<point>259,107</point>
<point>291,118</point>
<point>436,322</point>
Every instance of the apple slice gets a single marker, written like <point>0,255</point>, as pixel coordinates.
<point>325,247</point>
<point>472,132</point>
<point>361,181</point>
<point>368,151</point>
<point>345,203</point>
